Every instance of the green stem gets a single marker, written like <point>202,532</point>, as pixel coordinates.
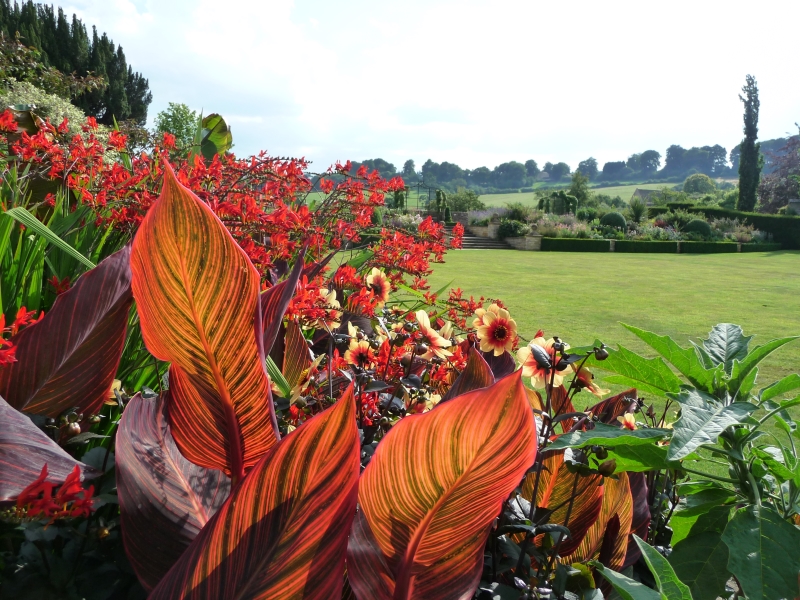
<point>714,477</point>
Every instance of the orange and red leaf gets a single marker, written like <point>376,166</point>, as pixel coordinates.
<point>283,532</point>
<point>476,375</point>
<point>432,490</point>
<point>197,294</point>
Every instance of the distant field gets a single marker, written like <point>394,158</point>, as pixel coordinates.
<point>623,191</point>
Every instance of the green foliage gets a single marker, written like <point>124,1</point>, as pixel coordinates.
<point>614,219</point>
<point>520,212</point>
<point>751,161</point>
<point>579,188</point>
<point>465,200</point>
<point>699,183</point>
<point>586,213</point>
<point>638,210</point>
<point>179,120</point>
<point>47,106</point>
<point>646,246</point>
<point>698,226</point>
<point>512,228</point>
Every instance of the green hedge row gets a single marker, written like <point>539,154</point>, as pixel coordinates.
<point>575,245</point>
<point>646,247</point>
<point>708,247</point>
<point>584,245</point>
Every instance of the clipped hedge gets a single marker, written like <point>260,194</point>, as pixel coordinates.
<point>654,211</point>
<point>708,247</point>
<point>680,205</point>
<point>657,247</point>
<point>785,230</point>
<point>761,247</point>
<point>575,245</point>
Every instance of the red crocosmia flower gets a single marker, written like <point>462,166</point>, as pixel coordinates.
<point>60,286</point>
<point>117,140</point>
<point>628,421</point>
<point>71,500</point>
<point>24,318</point>
<point>168,141</point>
<point>379,284</point>
<point>496,330</point>
<point>91,124</point>
<point>7,122</point>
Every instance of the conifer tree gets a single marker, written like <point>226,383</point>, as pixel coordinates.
<point>751,160</point>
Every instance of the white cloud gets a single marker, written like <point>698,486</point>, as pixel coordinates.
<point>469,82</point>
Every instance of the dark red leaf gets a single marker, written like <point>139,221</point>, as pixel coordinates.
<point>70,357</point>
<point>165,500</point>
<point>274,302</point>
<point>25,449</point>
<point>640,523</point>
<point>502,365</point>
<point>476,375</point>
<point>609,409</point>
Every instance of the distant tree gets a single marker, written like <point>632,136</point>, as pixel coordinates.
<point>409,170</point>
<point>783,184</point>
<point>481,176</point>
<point>429,170</point>
<point>650,161</point>
<point>676,159</point>
<point>613,169</point>
<point>634,162</point>
<point>579,187</point>
<point>179,120</point>
<point>463,200</point>
<point>509,175</point>
<point>547,168</point>
<point>718,157</point>
<point>531,168</point>
<point>588,168</point>
<point>558,171</point>
<point>386,169</point>
<point>750,161</point>
<point>699,183</point>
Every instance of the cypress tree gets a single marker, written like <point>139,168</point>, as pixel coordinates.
<point>751,161</point>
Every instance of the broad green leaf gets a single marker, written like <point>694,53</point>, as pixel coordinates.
<point>702,420</point>
<point>684,526</point>
<point>360,258</point>
<point>763,553</point>
<point>650,374</point>
<point>627,588</point>
<point>780,387</point>
<point>216,137</point>
<point>608,435</point>
<point>641,457</point>
<point>700,502</point>
<point>35,225</point>
<point>666,580</point>
<point>725,343</point>
<point>684,359</point>
<point>742,369</point>
<point>701,560</point>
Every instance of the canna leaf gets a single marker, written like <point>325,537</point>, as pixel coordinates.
<point>556,486</point>
<point>197,295</point>
<point>164,499</point>
<point>25,449</point>
<point>296,356</point>
<point>476,375</point>
<point>275,301</point>
<point>70,357</point>
<point>282,534</point>
<point>609,409</point>
<point>610,528</point>
<point>432,490</point>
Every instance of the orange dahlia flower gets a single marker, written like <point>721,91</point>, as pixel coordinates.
<point>380,286</point>
<point>435,342</point>
<point>497,331</point>
<point>538,360</point>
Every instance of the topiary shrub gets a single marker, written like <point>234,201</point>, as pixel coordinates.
<point>699,184</point>
<point>699,227</point>
<point>586,213</point>
<point>512,228</point>
<point>614,219</point>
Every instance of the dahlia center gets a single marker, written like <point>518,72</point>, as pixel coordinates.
<point>500,332</point>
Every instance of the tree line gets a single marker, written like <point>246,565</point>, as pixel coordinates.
<point>678,163</point>
<point>65,45</point>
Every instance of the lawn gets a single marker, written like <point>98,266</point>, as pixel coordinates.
<point>581,297</point>
<point>623,191</point>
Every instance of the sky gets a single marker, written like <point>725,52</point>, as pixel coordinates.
<point>473,83</point>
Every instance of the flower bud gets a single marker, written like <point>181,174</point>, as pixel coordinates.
<point>421,348</point>
<point>607,467</point>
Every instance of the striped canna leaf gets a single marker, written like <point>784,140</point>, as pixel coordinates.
<point>164,499</point>
<point>432,490</point>
<point>70,357</point>
<point>476,375</point>
<point>283,532</point>
<point>25,449</point>
<point>197,295</point>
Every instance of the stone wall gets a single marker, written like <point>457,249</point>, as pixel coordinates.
<point>528,242</point>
